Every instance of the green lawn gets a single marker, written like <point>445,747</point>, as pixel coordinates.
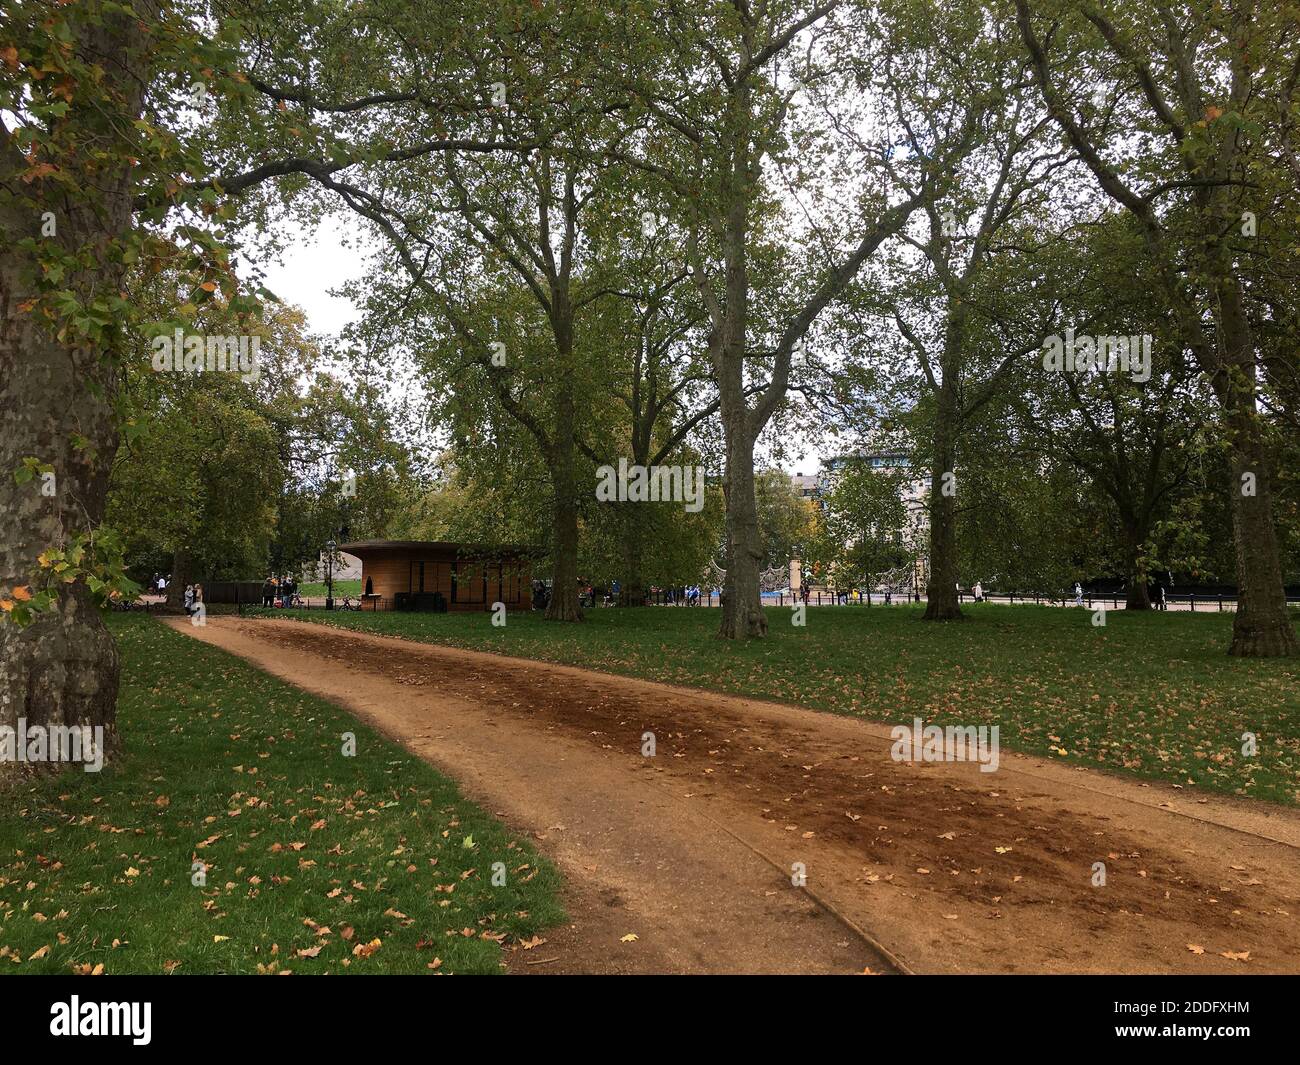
<point>374,859</point>
<point>1151,694</point>
<point>341,588</point>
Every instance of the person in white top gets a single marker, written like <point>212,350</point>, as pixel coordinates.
<point>979,592</point>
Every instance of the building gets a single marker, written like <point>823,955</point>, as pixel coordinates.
<point>438,575</point>
<point>807,487</point>
<point>346,568</point>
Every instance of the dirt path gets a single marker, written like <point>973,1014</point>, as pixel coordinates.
<point>923,867</point>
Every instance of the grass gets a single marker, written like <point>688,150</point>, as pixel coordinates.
<point>341,588</point>
<point>305,849</point>
<point>1149,694</point>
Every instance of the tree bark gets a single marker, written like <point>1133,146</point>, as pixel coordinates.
<point>182,563</point>
<point>63,668</point>
<point>632,592</point>
<point>742,604</point>
<point>1139,596</point>
<point>1261,627</point>
<point>941,589</point>
<point>564,605</point>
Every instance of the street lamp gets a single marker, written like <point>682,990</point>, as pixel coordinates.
<point>329,574</point>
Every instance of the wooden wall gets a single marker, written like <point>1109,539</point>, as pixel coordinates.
<point>399,571</point>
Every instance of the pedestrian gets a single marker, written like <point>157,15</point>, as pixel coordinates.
<point>1078,594</point>
<point>1164,602</point>
<point>979,592</point>
<point>268,592</point>
<point>189,599</point>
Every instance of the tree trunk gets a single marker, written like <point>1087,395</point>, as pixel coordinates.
<point>632,592</point>
<point>1260,627</point>
<point>63,668</point>
<point>564,605</point>
<point>941,589</point>
<point>182,563</point>
<point>1139,596</point>
<point>742,603</point>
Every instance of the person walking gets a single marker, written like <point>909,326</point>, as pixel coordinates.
<point>979,591</point>
<point>1078,594</point>
<point>189,599</point>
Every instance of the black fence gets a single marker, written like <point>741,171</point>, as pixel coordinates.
<point>1191,601</point>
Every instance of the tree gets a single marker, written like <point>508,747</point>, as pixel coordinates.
<point>960,316</point>
<point>1129,433</point>
<point>736,105</point>
<point>864,524</point>
<point>505,197</point>
<point>1191,114</point>
<point>74,156</point>
<point>786,521</point>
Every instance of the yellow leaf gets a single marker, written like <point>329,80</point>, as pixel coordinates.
<point>631,937</point>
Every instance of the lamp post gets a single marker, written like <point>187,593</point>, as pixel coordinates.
<point>329,574</point>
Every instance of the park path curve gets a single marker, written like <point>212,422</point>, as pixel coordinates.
<point>910,867</point>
